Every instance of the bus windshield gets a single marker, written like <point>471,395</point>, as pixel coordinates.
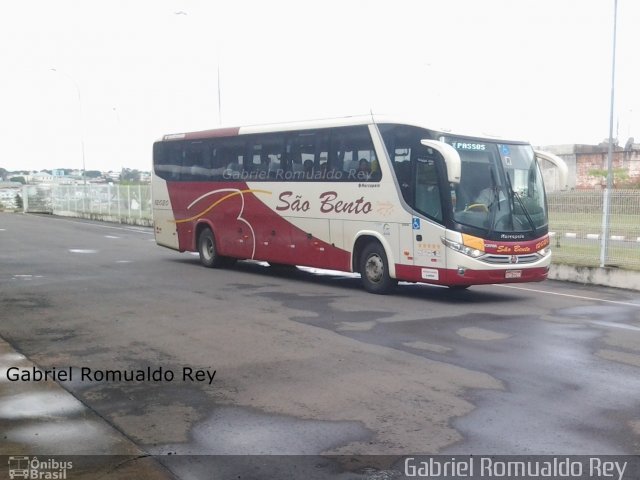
<point>501,189</point>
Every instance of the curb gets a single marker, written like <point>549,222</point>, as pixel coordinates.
<point>607,277</point>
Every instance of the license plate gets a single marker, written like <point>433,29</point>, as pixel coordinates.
<point>513,274</point>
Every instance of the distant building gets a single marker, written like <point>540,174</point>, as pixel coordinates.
<point>57,178</point>
<point>584,160</point>
<point>42,178</point>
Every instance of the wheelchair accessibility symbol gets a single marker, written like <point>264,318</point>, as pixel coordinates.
<point>416,223</point>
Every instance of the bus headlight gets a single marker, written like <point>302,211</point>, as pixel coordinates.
<point>458,247</point>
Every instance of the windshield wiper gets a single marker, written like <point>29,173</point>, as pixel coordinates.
<point>518,197</point>
<point>496,198</point>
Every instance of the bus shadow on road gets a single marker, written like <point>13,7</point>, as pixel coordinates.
<point>350,282</point>
<point>477,294</point>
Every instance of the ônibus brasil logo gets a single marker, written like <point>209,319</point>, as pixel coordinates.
<point>32,468</point>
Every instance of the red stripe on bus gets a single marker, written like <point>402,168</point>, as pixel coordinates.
<point>410,273</point>
<point>214,133</point>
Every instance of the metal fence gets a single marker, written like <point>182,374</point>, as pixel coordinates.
<point>118,203</point>
<point>575,221</point>
<point>575,217</point>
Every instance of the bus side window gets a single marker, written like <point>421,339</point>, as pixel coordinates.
<point>230,154</point>
<point>160,166</point>
<point>257,159</point>
<point>402,167</point>
<point>273,149</point>
<point>376,173</point>
<point>206,169</point>
<point>301,148</point>
<point>294,159</point>
<point>275,165</point>
<point>168,160</point>
<point>319,170</point>
<point>218,161</point>
<point>427,190</point>
<point>285,162</point>
<point>193,162</point>
<point>342,159</point>
<point>352,149</point>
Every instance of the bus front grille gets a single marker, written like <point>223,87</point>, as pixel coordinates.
<point>511,259</point>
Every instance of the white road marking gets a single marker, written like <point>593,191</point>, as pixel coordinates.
<point>126,229</point>
<point>616,325</point>
<point>81,250</point>
<point>595,299</point>
<point>137,229</point>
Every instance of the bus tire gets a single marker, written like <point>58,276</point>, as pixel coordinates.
<point>374,269</point>
<point>228,262</point>
<point>207,249</point>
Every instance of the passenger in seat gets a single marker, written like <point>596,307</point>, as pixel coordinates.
<point>364,169</point>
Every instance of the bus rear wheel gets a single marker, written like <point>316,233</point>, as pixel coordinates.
<point>207,249</point>
<point>374,269</point>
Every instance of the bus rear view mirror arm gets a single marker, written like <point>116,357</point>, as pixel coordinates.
<point>451,158</point>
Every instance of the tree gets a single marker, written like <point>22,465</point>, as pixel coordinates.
<point>128,175</point>
<point>93,174</point>
<point>620,175</point>
<point>19,180</point>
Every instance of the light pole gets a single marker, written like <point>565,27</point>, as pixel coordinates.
<point>182,12</point>
<point>604,248</point>
<point>75,84</point>
<point>219,100</point>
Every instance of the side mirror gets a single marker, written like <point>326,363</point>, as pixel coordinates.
<point>451,158</point>
<point>559,163</point>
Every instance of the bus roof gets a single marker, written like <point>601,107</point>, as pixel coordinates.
<point>327,123</point>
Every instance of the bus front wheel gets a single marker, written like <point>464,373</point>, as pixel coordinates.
<point>207,249</point>
<point>374,269</point>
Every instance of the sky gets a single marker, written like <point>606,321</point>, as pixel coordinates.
<point>96,82</point>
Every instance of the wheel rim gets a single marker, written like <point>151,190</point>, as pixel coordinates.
<point>374,268</point>
<point>207,249</point>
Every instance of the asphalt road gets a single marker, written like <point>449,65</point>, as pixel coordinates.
<point>306,362</point>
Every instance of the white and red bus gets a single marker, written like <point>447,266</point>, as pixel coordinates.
<point>391,201</point>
